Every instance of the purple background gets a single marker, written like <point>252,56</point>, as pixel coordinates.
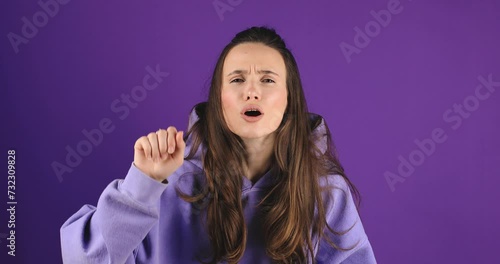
<point>394,91</point>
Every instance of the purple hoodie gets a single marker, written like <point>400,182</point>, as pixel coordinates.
<point>140,220</point>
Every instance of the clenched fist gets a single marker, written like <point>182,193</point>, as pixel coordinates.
<point>159,154</point>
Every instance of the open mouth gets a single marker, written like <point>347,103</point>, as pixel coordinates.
<point>253,112</point>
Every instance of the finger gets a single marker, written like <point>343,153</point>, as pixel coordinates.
<point>143,144</point>
<point>162,143</point>
<point>181,146</point>
<point>153,140</point>
<point>171,132</point>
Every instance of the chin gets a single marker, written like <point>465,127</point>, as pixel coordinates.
<point>252,134</point>
<point>249,135</point>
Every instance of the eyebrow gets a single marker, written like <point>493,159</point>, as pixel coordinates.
<point>246,72</point>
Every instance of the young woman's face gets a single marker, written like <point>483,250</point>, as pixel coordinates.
<point>254,94</point>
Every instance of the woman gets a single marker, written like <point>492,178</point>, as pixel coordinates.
<point>259,184</point>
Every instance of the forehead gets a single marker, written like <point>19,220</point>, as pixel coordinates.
<point>247,55</point>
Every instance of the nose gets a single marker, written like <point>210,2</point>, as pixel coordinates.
<point>256,97</point>
<point>252,93</point>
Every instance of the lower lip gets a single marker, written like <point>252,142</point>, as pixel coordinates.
<point>252,119</point>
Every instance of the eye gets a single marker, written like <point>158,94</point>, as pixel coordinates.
<point>268,81</point>
<point>236,80</point>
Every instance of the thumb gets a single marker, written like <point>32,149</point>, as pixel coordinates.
<point>181,145</point>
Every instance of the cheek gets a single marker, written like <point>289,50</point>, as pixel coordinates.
<point>283,101</point>
<point>229,106</point>
<point>279,103</point>
<point>228,100</point>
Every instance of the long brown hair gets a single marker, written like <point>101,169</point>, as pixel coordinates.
<point>289,222</point>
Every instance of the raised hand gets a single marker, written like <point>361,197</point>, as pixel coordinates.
<point>160,153</point>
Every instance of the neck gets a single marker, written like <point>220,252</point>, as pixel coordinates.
<point>259,152</point>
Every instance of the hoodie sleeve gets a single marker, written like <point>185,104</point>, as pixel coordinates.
<point>113,231</point>
<point>342,216</point>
